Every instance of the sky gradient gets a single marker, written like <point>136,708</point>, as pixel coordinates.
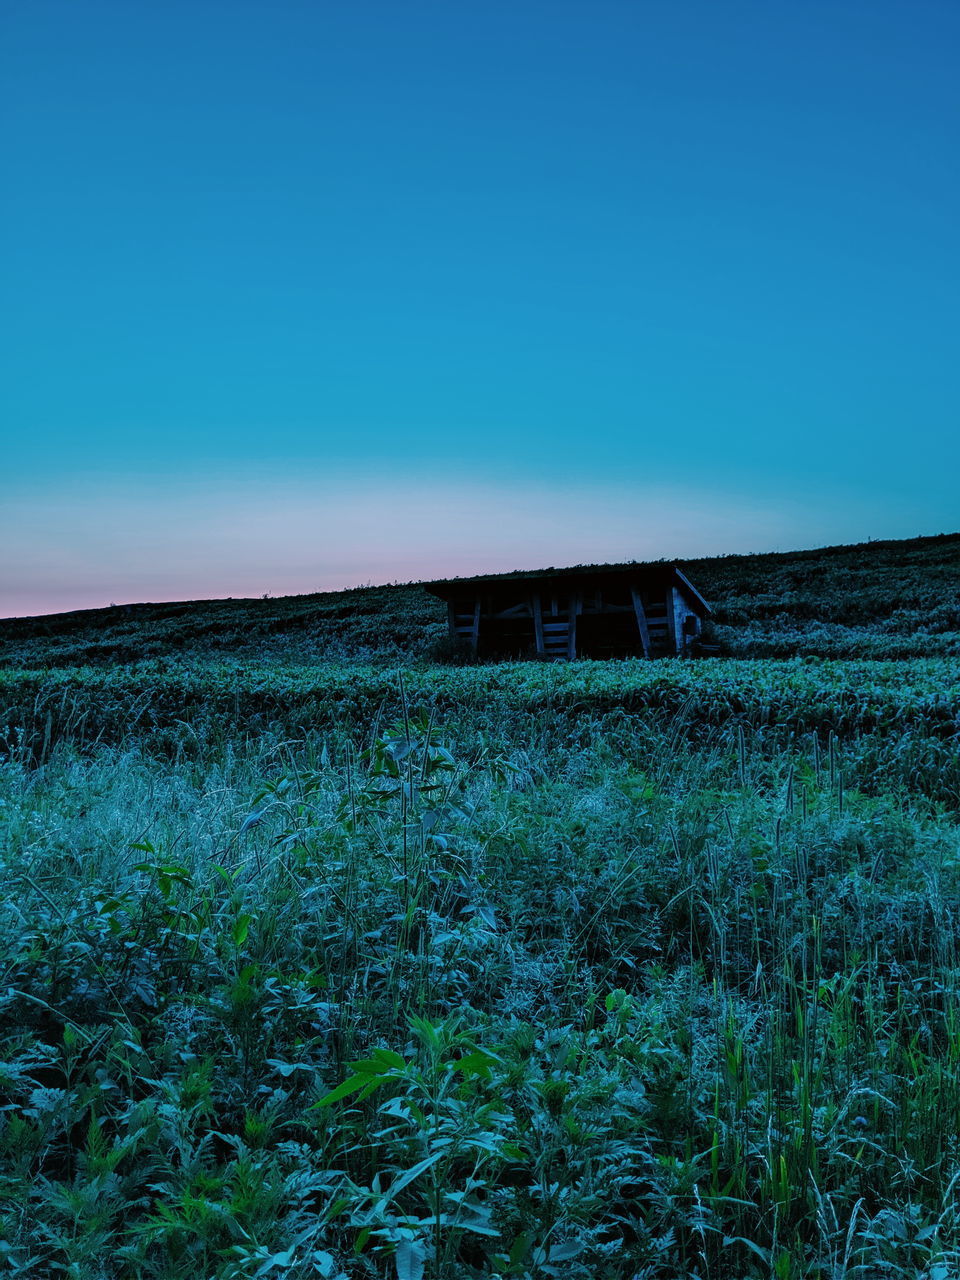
<point>303,295</point>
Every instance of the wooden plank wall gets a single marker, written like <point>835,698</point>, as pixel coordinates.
<point>554,618</point>
<point>642,627</point>
<point>537,622</point>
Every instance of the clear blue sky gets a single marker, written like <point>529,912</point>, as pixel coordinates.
<point>304,294</point>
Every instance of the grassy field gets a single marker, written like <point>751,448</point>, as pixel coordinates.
<point>377,967</point>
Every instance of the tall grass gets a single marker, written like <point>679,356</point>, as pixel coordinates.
<point>518,983</point>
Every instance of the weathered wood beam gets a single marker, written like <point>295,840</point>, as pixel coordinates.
<point>673,637</point>
<point>641,621</point>
<point>573,608</point>
<point>476,623</point>
<point>537,622</point>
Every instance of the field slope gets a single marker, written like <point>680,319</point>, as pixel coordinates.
<point>325,961</point>
<point>873,600</point>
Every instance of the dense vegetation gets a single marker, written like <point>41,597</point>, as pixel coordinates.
<point>875,600</point>
<point>596,971</point>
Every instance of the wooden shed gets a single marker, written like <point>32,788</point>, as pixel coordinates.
<point>607,611</point>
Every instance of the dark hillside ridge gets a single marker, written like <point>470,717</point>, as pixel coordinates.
<point>886,599</point>
<point>874,600</point>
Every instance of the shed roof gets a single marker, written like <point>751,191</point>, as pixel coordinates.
<point>655,572</point>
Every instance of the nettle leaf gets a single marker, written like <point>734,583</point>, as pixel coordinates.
<point>411,1175</point>
<point>252,819</point>
<point>343,1090</point>
<point>325,1263</point>
<point>520,1247</point>
<point>411,1260</point>
<point>426,1032</point>
<point>559,1251</point>
<point>478,1063</point>
<point>380,1059</point>
<point>367,1078</point>
<point>241,928</point>
<point>397,749</point>
<point>487,915</point>
<point>287,1069</point>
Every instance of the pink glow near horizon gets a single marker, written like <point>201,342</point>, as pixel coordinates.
<point>103,542</point>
